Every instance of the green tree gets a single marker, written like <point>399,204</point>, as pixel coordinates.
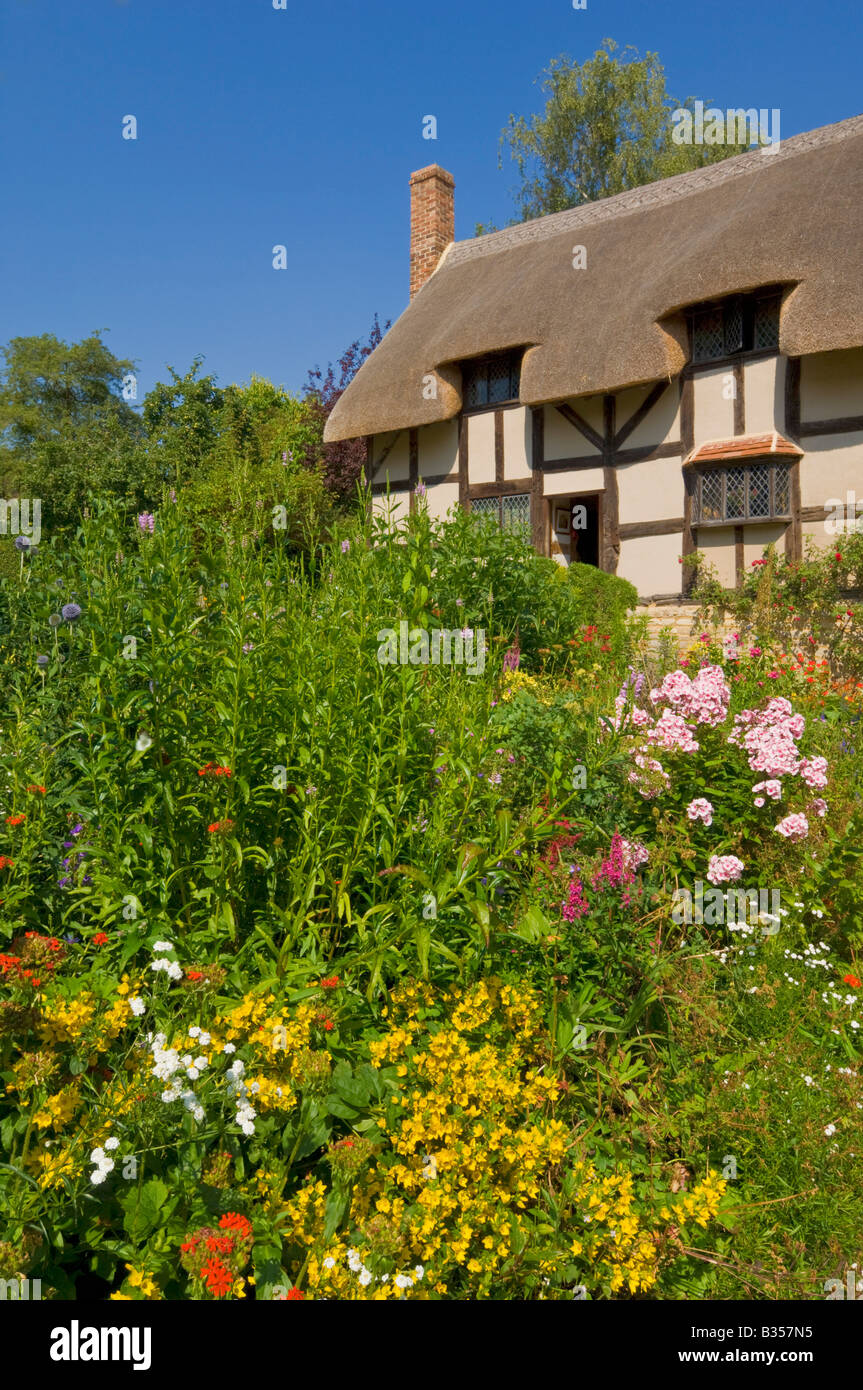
<point>606,127</point>
<point>48,385</point>
<point>181,421</point>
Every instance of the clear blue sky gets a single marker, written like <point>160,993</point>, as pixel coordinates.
<point>301,126</point>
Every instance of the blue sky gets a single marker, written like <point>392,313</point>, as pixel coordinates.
<point>301,127</point>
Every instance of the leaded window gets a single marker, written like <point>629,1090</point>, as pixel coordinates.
<point>741,492</point>
<point>741,323</point>
<point>490,381</point>
<point>511,513</point>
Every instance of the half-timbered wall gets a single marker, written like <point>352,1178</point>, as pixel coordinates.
<point>628,451</point>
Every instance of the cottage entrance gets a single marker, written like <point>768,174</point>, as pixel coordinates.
<point>575,529</point>
<point>584,530</point>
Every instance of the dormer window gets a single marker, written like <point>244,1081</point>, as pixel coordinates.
<point>729,327</point>
<point>491,381</point>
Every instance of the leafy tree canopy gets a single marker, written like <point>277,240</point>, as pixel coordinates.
<point>606,127</point>
<point>47,385</point>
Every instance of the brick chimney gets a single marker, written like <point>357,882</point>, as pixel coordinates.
<point>432,221</point>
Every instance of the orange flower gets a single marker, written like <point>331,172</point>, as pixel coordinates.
<point>217,1276</point>
<point>36,787</point>
<point>15,820</point>
<point>221,827</point>
<point>851,980</point>
<point>101,938</point>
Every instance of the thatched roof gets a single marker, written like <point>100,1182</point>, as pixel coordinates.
<point>791,216</point>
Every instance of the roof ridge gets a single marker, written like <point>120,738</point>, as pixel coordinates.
<point>654,194</point>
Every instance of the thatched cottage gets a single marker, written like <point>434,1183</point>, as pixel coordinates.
<point>676,368</point>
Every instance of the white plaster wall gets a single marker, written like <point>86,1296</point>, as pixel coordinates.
<point>650,491</point>
<point>651,563</point>
<point>441,497</point>
<point>714,416</point>
<point>561,440</point>
<point>757,538</point>
<point>831,385</point>
<point>397,463</point>
<point>480,447</point>
<point>718,547</point>
<point>438,448</point>
<point>661,424</point>
<point>573,482</point>
<point>764,395</point>
<point>831,466</point>
<point>517,427</point>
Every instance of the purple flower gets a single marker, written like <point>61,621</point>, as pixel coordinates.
<point>22,543</point>
<point>248,646</point>
<point>146,521</point>
<point>346,545</point>
<point>43,661</point>
<point>420,490</point>
<point>70,612</point>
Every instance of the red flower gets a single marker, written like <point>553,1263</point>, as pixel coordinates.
<point>851,980</point>
<point>214,770</point>
<point>100,939</point>
<point>36,787</point>
<point>217,1276</point>
<point>6,863</point>
<point>233,1221</point>
<point>15,820</point>
<point>221,1245</point>
<point>330,982</point>
<point>220,827</point>
<point>294,1295</point>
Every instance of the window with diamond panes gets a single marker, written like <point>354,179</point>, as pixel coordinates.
<point>753,492</point>
<point>486,507</point>
<point>781,490</point>
<point>766,334</point>
<point>741,323</point>
<point>491,380</point>
<point>735,493</point>
<point>759,491</point>
<point>707,337</point>
<point>515,512</point>
<point>711,497</point>
<point>733,327</point>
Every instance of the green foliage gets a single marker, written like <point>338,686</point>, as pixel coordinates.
<point>810,605</point>
<point>606,127</point>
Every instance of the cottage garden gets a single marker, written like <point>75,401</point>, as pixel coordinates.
<point>331,977</point>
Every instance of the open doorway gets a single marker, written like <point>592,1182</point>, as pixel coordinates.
<point>584,530</point>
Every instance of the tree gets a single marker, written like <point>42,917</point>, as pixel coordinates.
<point>181,421</point>
<point>64,424</point>
<point>343,462</point>
<point>606,127</point>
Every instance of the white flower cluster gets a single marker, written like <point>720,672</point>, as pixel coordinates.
<point>245,1116</point>
<point>356,1266</point>
<point>171,968</point>
<point>102,1163</point>
<point>137,1006</point>
<point>167,1063</point>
